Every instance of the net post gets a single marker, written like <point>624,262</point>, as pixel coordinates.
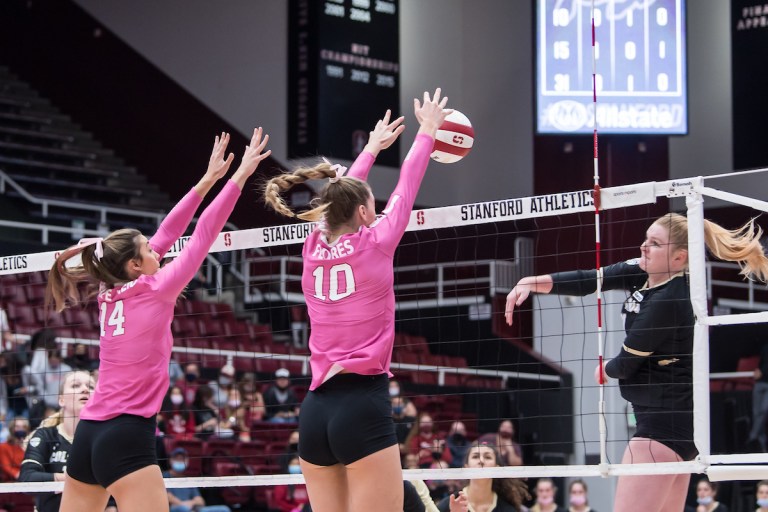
<point>698,290</point>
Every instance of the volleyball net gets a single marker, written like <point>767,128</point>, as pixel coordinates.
<point>455,359</point>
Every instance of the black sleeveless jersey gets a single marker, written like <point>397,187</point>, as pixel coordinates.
<point>47,453</point>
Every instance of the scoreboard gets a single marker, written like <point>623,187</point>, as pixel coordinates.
<point>344,72</point>
<point>639,66</point>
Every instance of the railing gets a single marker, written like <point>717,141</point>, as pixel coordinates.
<point>489,277</point>
<point>103,211</point>
<point>231,354</point>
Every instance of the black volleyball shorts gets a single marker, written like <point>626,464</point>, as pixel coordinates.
<point>105,451</point>
<point>345,419</point>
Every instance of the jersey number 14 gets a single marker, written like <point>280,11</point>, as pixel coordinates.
<point>116,319</point>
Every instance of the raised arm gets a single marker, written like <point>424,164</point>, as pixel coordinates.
<point>521,291</point>
<point>383,135</point>
<point>430,115</point>
<point>176,222</point>
<point>172,278</point>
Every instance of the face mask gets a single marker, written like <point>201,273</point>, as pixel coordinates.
<point>177,399</point>
<point>225,381</point>
<point>545,500</point>
<point>458,438</point>
<point>178,466</point>
<point>234,404</point>
<point>293,447</point>
<point>394,392</point>
<point>578,500</point>
<point>706,500</point>
<point>294,469</point>
<point>20,434</point>
<point>398,409</point>
<point>505,435</point>
<point>191,377</point>
<point>762,502</point>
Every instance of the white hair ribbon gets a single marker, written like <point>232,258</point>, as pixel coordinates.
<point>85,242</point>
<point>340,170</point>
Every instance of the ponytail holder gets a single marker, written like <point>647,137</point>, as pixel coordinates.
<point>340,171</point>
<point>85,242</point>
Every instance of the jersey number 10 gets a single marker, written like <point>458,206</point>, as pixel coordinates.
<point>333,285</point>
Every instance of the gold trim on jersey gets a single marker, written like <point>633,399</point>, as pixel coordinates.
<point>637,352</point>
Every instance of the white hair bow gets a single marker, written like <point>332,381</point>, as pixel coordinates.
<point>85,242</point>
<point>340,170</point>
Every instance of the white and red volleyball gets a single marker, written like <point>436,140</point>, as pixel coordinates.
<point>454,139</point>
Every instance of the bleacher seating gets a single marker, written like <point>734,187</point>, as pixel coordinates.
<point>51,157</point>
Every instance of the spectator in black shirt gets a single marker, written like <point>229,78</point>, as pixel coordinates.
<point>280,399</point>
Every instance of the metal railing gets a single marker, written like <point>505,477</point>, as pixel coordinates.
<point>104,211</point>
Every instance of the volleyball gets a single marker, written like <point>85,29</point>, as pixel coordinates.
<point>454,139</point>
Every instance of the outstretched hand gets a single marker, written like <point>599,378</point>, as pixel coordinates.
<point>252,157</point>
<point>217,164</point>
<point>431,113</point>
<point>384,134</point>
<point>515,298</point>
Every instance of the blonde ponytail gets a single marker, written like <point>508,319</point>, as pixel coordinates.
<point>741,245</point>
<point>336,202</point>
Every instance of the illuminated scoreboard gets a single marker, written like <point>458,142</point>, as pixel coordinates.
<point>344,72</point>
<point>639,64</point>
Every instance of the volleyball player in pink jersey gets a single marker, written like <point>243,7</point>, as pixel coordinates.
<point>114,446</point>
<point>347,443</point>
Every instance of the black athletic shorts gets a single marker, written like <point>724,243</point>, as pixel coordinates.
<point>345,419</point>
<point>105,451</point>
<point>673,429</point>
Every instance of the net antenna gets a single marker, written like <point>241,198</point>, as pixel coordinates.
<point>596,194</point>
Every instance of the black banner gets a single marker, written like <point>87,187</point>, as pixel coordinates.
<point>749,47</point>
<point>344,72</point>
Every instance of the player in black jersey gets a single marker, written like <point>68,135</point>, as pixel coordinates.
<point>654,366</point>
<point>48,447</point>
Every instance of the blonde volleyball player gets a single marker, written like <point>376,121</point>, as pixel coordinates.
<point>654,366</point>
<point>113,451</point>
<point>347,442</point>
<point>48,447</point>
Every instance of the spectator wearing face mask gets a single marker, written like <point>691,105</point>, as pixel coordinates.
<point>175,418</point>
<point>404,414</point>
<point>424,441</point>
<point>456,445</point>
<point>233,415</point>
<point>280,399</point>
<point>706,498</point>
<point>504,441</point>
<point>12,451</point>
<point>186,499</point>
<point>577,497</point>
<point>191,382</point>
<point>291,451</point>
<point>761,492</point>
<point>221,385</point>
<point>545,496</point>
<point>291,498</point>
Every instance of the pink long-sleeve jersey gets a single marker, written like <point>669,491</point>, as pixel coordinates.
<point>348,284</point>
<point>135,319</point>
